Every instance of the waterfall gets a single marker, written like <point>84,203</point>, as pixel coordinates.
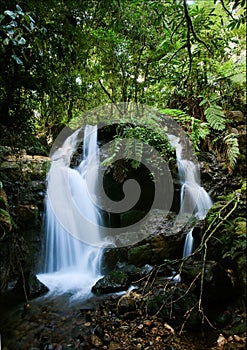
<point>188,244</point>
<point>70,264</point>
<point>193,197</point>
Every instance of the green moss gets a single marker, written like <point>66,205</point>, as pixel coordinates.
<point>239,328</point>
<point>140,255</point>
<point>240,225</point>
<point>118,276</point>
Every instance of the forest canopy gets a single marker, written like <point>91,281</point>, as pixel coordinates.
<point>61,58</point>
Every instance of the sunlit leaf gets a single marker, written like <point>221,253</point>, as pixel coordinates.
<point>6,41</point>
<point>10,13</point>
<point>19,9</point>
<point>17,59</point>
<point>22,41</point>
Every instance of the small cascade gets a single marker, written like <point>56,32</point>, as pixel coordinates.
<point>70,264</point>
<point>193,197</point>
<point>188,244</point>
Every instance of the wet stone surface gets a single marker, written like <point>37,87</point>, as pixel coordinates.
<point>110,322</point>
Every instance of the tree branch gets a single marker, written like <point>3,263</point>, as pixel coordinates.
<point>176,28</point>
<point>226,10</point>
<point>190,29</point>
<point>105,91</point>
<point>173,55</point>
<point>109,95</point>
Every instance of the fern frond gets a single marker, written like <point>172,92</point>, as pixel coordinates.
<point>232,149</point>
<point>215,117</point>
<point>134,150</point>
<point>138,150</point>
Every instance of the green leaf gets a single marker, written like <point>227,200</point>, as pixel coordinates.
<point>6,41</point>
<point>17,59</point>
<point>5,216</point>
<point>215,117</point>
<point>22,41</point>
<point>10,13</point>
<point>11,31</point>
<point>232,147</point>
<point>19,10</point>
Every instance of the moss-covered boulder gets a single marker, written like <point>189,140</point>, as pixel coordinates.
<point>115,281</point>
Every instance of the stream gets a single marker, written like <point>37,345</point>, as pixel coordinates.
<point>51,321</point>
<point>59,322</point>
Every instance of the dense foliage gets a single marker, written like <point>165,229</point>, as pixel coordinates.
<point>60,58</point>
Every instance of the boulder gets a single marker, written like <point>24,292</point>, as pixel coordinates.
<point>140,255</point>
<point>163,241</point>
<point>115,281</point>
<point>134,273</point>
<point>29,287</point>
<point>111,256</point>
<point>217,287</point>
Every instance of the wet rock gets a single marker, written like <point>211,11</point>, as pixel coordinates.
<point>130,269</point>
<point>28,215</point>
<point>113,282</point>
<point>23,177</point>
<point>29,286</point>
<point>11,248</point>
<point>25,166</point>
<point>134,273</point>
<point>223,319</point>
<point>155,249</point>
<point>114,346</point>
<point>215,177</point>
<point>145,270</point>
<point>95,341</point>
<point>131,217</point>
<point>140,255</point>
<point>127,303</point>
<point>164,240</point>
<point>111,257</point>
<point>217,284</point>
<point>172,305</point>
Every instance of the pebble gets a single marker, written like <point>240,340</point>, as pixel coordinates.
<point>96,341</point>
<point>114,346</point>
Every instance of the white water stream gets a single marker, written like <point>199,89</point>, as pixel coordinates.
<point>70,264</point>
<point>193,197</point>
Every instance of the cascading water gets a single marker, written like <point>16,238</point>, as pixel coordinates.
<point>71,265</point>
<point>193,197</point>
<point>188,244</point>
